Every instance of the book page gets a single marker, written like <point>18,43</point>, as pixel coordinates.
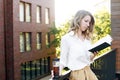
<point>101,44</point>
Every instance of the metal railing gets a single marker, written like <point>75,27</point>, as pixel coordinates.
<point>104,66</point>
<point>32,70</point>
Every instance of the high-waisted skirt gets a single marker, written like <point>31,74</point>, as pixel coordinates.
<point>83,74</point>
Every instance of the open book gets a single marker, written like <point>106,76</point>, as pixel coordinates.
<point>101,44</point>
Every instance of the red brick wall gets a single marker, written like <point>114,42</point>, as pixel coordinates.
<point>13,27</point>
<point>115,25</point>
<point>2,53</point>
<point>8,28</point>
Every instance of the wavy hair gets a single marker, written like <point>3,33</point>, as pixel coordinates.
<point>75,24</point>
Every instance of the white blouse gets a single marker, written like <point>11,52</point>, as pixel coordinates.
<point>74,52</point>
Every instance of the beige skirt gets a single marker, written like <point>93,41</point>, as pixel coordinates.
<point>83,74</point>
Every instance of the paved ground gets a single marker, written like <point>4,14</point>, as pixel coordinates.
<point>46,78</point>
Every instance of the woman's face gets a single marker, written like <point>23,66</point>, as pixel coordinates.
<point>85,23</point>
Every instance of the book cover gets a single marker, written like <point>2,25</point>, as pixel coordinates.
<point>101,44</point>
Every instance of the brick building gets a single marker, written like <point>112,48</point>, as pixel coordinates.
<point>25,53</point>
<point>2,46</point>
<point>115,25</point>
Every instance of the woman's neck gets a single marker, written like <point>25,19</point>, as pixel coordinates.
<point>80,35</point>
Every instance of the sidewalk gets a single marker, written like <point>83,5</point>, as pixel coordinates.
<point>46,78</point>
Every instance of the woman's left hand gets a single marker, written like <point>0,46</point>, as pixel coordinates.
<point>93,55</point>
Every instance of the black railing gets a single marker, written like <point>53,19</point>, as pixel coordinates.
<point>32,69</point>
<point>104,66</point>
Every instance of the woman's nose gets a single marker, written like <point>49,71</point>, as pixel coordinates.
<point>88,24</point>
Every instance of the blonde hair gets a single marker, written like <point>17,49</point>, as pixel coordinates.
<point>75,24</point>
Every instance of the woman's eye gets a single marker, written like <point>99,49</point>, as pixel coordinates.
<point>86,20</point>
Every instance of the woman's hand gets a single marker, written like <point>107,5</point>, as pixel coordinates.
<point>93,55</point>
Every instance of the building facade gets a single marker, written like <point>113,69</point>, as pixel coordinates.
<point>115,25</point>
<point>25,53</point>
<point>2,47</point>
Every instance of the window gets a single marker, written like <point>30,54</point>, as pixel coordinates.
<point>47,16</point>
<point>22,42</point>
<point>24,12</point>
<point>48,40</point>
<point>25,41</point>
<point>27,12</point>
<point>38,14</point>
<point>28,41</point>
<point>39,40</point>
<point>21,12</point>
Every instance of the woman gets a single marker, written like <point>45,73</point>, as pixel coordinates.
<point>74,47</point>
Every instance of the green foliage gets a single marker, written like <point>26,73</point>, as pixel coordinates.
<point>102,25</point>
<point>58,32</point>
